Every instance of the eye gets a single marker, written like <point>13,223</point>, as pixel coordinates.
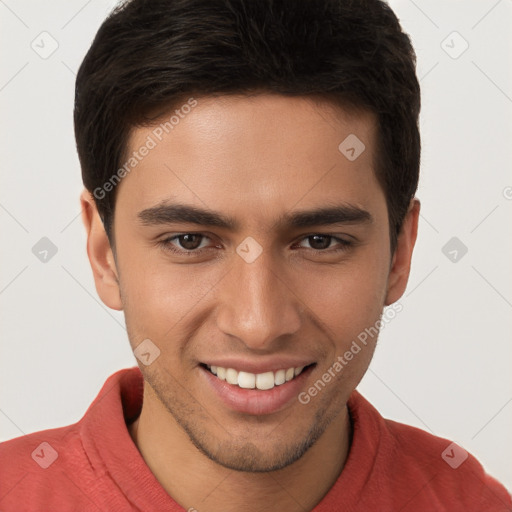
<point>190,243</point>
<point>193,244</point>
<point>320,243</point>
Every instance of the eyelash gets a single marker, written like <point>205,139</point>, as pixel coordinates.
<point>166,244</point>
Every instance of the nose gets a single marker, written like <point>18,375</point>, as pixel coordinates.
<point>258,304</point>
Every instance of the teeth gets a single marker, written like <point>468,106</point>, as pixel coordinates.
<point>262,381</point>
<point>280,377</point>
<point>246,380</point>
<point>265,380</point>
<point>231,376</point>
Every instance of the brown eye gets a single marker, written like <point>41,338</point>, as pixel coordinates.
<point>189,241</point>
<point>320,241</point>
<point>323,243</point>
<point>186,244</point>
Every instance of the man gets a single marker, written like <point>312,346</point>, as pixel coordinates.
<point>250,169</point>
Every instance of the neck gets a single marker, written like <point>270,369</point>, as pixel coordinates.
<point>198,483</point>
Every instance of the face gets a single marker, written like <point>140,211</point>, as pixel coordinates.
<point>248,245</point>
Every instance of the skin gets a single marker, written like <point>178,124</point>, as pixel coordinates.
<point>253,159</point>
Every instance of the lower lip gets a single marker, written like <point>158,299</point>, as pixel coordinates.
<point>256,401</point>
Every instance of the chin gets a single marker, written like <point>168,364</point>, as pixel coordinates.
<point>241,455</point>
<point>252,459</point>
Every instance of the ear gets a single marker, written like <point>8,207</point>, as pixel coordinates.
<point>401,262</point>
<point>100,254</point>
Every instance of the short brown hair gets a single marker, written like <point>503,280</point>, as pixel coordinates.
<point>150,55</point>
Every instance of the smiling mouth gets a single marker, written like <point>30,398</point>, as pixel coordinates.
<point>261,381</point>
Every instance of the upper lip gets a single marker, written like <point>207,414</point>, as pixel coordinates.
<point>260,366</point>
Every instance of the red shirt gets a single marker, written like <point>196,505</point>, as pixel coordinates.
<point>94,465</point>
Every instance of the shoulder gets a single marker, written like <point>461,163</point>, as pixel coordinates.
<point>37,465</point>
<point>454,473</point>
<point>428,469</point>
<point>71,467</point>
<point>39,449</point>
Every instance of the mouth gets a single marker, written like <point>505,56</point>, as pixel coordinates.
<point>262,381</point>
<point>261,393</point>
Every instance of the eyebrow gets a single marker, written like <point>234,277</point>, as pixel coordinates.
<point>177,213</point>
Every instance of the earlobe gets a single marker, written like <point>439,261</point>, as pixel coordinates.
<point>401,264</point>
<point>99,251</point>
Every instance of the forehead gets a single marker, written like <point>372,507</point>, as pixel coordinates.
<point>254,156</point>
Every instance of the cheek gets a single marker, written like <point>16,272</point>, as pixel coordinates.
<point>349,303</point>
<point>160,297</point>
<point>162,300</point>
<point>348,298</point>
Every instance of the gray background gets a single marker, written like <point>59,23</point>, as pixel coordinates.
<point>443,364</point>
